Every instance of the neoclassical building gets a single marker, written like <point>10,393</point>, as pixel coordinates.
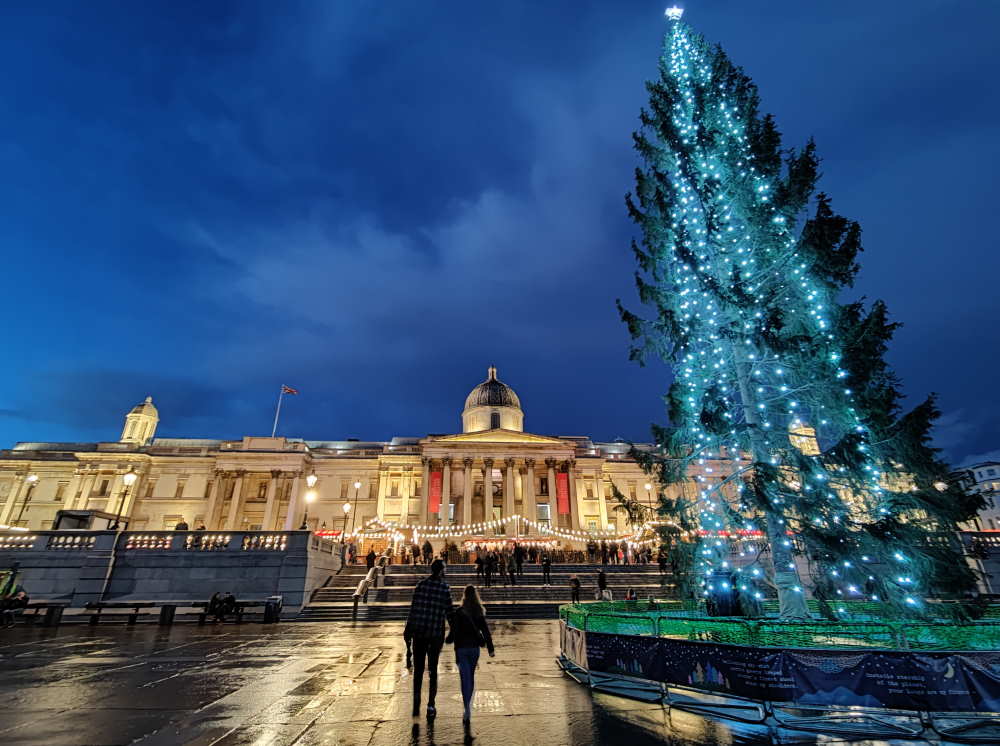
<point>493,469</point>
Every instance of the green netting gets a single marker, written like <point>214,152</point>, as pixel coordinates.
<point>733,631</point>
<point>950,636</point>
<point>621,624</point>
<point>671,620</point>
<point>826,635</point>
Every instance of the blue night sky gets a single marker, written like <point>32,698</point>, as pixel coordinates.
<point>373,201</point>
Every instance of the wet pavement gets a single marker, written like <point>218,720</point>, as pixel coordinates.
<point>304,684</point>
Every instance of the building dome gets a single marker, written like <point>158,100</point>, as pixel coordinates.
<point>146,407</point>
<point>492,393</point>
<point>140,423</point>
<point>491,405</point>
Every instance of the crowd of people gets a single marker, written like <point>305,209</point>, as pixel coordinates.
<point>501,554</point>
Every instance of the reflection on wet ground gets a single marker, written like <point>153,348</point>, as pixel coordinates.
<point>335,683</point>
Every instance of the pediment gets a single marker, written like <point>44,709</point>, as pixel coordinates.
<point>500,435</point>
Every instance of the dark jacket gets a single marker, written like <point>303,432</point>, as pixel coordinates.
<point>469,632</point>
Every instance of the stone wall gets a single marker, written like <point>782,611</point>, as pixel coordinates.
<point>169,565</point>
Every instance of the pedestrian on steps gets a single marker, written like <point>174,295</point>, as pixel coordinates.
<point>469,632</point>
<point>429,609</point>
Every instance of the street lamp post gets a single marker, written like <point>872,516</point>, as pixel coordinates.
<point>128,478</point>
<point>347,512</point>
<point>649,496</point>
<point>310,496</point>
<point>32,480</point>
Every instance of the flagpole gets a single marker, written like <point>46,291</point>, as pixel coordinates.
<point>277,411</point>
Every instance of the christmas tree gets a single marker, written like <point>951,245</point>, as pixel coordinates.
<point>743,263</point>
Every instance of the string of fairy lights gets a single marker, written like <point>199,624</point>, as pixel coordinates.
<point>716,245</point>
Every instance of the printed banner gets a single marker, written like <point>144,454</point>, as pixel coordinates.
<point>927,681</point>
<point>562,492</point>
<point>574,644</point>
<point>434,503</point>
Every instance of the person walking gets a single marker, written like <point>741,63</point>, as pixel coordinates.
<point>661,560</point>
<point>428,551</point>
<point>546,569</point>
<point>488,569</point>
<point>469,632</point>
<point>602,586</point>
<point>479,566</point>
<point>512,571</point>
<point>370,559</point>
<point>604,554</point>
<point>574,589</point>
<point>519,559</point>
<point>424,632</point>
<point>502,568</point>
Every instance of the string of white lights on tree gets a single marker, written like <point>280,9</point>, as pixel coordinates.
<point>770,372</point>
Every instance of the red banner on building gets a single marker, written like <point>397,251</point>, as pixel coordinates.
<point>434,503</point>
<point>562,492</point>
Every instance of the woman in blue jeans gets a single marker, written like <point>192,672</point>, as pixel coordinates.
<point>469,632</point>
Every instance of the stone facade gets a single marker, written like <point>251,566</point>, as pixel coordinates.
<point>491,470</point>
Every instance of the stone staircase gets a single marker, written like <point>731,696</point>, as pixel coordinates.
<point>527,599</point>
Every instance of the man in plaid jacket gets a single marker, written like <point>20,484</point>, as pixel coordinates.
<point>429,610</point>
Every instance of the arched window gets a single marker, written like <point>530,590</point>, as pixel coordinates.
<point>494,420</point>
<point>131,429</point>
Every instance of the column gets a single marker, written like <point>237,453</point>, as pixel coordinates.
<point>576,496</point>
<point>236,503</point>
<point>487,489</point>
<point>213,500</point>
<point>529,492</point>
<point>88,485</point>
<point>405,489</point>
<point>508,491</point>
<point>425,489</point>
<point>293,504</point>
<point>553,507</point>
<point>12,496</point>
<point>383,485</point>
<point>602,503</point>
<point>445,491</point>
<point>71,488</point>
<point>271,509</point>
<point>467,492</point>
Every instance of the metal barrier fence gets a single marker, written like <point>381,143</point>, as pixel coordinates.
<point>669,620</point>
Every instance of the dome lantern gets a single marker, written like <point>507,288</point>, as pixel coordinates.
<point>491,405</point>
<point>140,423</point>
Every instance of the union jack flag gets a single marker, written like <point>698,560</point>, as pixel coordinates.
<point>288,390</point>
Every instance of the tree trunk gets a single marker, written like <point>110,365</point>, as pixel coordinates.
<point>785,576</point>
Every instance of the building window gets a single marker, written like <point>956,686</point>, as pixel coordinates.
<point>494,420</point>
<point>991,472</point>
<point>394,488</point>
<point>149,487</point>
<point>590,490</point>
<point>543,486</point>
<point>372,490</point>
<point>131,429</point>
<point>262,491</point>
<point>543,513</point>
<point>417,485</point>
<point>102,491</point>
<point>60,491</point>
<point>343,489</point>
<point>179,490</point>
<point>451,512</point>
<point>591,525</point>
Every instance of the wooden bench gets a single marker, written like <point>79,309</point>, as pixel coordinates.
<point>96,607</point>
<point>241,607</point>
<point>53,612</point>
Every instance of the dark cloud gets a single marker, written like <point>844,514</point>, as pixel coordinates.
<point>373,201</point>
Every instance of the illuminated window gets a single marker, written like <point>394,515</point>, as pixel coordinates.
<point>495,421</point>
